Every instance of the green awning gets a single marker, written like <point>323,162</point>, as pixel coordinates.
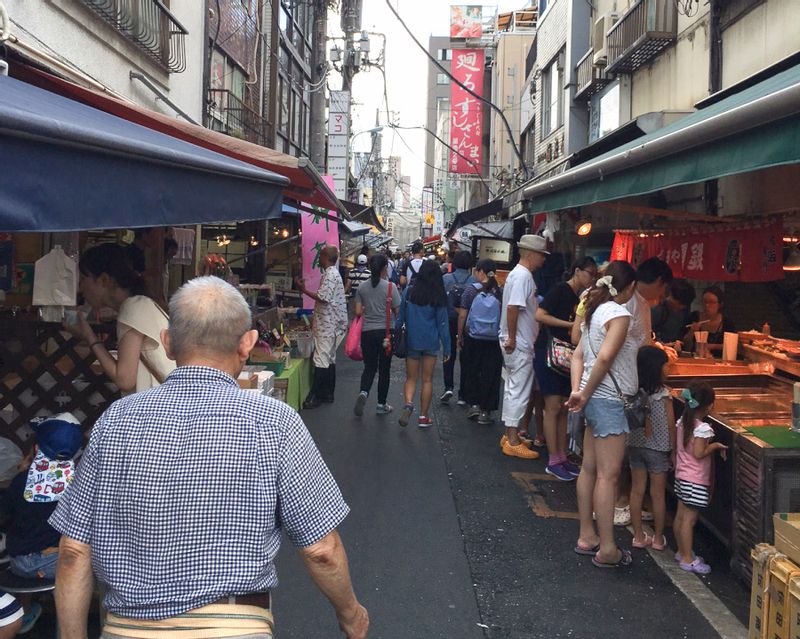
<point>757,128</point>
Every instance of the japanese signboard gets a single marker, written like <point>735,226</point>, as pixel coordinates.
<point>466,112</point>
<point>497,250</point>
<point>466,21</point>
<point>318,232</point>
<point>729,254</point>
<point>338,140</point>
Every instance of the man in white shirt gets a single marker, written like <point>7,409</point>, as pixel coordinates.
<point>413,265</point>
<point>518,332</point>
<point>329,327</point>
<point>653,277</point>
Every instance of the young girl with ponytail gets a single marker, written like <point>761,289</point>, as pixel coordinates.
<point>693,470</point>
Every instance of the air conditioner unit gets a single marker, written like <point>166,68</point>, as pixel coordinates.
<point>600,31</point>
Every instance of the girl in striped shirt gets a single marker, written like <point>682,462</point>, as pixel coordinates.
<point>693,470</point>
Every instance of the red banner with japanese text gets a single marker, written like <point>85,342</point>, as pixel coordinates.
<point>745,253</point>
<point>466,111</point>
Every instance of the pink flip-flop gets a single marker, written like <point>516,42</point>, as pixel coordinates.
<point>648,541</point>
<point>661,546</point>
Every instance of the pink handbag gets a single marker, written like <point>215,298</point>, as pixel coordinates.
<point>352,345</point>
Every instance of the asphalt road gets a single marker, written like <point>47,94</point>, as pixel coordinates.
<point>448,538</point>
<point>444,540</point>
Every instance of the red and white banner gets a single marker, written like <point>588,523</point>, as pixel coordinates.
<point>466,111</point>
<point>728,254</point>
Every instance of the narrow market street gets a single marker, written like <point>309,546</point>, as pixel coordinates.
<point>444,541</point>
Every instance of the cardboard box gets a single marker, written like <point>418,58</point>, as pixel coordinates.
<point>781,573</point>
<point>759,591</point>
<point>787,535</point>
<point>794,608</point>
<point>248,381</point>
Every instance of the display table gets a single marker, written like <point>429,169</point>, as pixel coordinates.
<point>297,378</point>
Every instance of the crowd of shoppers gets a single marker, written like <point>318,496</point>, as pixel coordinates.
<point>509,335</point>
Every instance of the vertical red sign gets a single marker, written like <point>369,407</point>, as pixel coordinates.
<point>466,111</point>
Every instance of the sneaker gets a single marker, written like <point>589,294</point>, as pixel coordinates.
<point>473,412</point>
<point>462,402</point>
<point>360,401</point>
<point>528,443</point>
<point>30,618</point>
<point>424,422</point>
<point>446,397</point>
<point>571,468</point>
<point>485,417</point>
<point>405,414</point>
<point>383,409</point>
<point>520,450</point>
<point>622,516</point>
<point>559,472</point>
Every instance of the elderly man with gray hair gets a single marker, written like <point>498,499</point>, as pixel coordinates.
<point>329,328</point>
<point>183,491</point>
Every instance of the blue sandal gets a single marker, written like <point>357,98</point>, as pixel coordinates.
<point>625,559</point>
<point>589,552</point>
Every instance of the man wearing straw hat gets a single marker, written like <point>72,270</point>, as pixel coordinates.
<point>184,490</point>
<point>518,332</point>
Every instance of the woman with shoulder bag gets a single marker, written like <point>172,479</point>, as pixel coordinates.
<point>423,312</point>
<point>603,373</point>
<point>482,360</point>
<point>556,314</point>
<point>377,301</point>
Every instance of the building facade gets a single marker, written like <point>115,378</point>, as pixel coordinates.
<point>143,56</point>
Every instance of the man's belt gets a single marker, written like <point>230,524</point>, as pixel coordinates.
<point>260,599</point>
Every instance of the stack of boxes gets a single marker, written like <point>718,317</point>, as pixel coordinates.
<point>775,593</point>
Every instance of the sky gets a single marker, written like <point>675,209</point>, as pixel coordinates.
<point>406,74</point>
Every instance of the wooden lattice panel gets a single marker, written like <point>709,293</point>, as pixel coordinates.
<point>45,371</point>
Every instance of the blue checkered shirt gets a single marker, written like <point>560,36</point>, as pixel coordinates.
<point>183,491</point>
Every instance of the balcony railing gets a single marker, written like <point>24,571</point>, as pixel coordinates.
<point>233,117</point>
<point>649,27</point>
<point>590,79</point>
<point>149,25</point>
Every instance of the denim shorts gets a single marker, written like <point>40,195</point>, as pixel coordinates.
<point>31,565</point>
<point>605,417</point>
<point>653,461</point>
<point>412,354</point>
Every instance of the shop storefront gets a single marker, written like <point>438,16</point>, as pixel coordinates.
<point>715,194</point>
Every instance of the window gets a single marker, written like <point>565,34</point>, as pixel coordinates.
<point>445,54</point>
<point>441,78</point>
<point>552,97</point>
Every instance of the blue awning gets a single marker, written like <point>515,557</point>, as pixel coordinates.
<point>68,166</point>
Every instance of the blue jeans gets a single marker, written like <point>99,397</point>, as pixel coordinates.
<point>35,566</point>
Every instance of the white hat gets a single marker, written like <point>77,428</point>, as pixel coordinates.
<point>362,259</point>
<point>533,243</point>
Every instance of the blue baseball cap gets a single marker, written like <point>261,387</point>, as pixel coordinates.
<point>59,437</point>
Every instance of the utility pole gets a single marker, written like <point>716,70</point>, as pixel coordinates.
<point>318,71</point>
<point>351,24</point>
<point>376,169</point>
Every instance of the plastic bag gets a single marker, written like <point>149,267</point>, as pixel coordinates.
<point>55,279</point>
<point>352,345</point>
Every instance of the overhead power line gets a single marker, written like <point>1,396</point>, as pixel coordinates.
<point>489,103</point>
<point>457,152</point>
